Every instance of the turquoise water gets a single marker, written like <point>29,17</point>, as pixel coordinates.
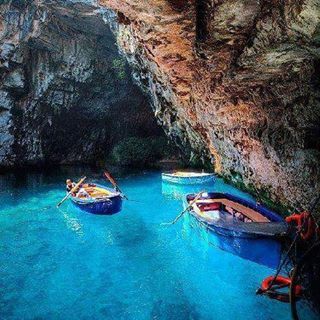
<point>67,264</point>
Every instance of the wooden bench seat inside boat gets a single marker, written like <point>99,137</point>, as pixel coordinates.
<point>250,213</point>
<point>184,174</point>
<point>204,214</point>
<point>96,192</point>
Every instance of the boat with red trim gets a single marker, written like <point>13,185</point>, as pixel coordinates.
<point>242,227</point>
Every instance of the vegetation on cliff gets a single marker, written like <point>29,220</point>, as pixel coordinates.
<point>141,152</point>
<point>234,81</point>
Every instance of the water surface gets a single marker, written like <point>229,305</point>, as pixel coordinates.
<point>67,264</point>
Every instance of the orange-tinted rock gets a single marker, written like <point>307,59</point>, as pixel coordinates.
<point>236,81</point>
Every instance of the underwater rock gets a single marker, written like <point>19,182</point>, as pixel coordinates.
<point>235,82</point>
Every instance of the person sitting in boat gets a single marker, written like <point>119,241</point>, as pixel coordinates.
<point>69,185</point>
<point>82,193</point>
<point>239,216</point>
<point>82,190</point>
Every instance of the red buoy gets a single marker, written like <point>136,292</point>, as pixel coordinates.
<point>270,286</point>
<point>305,223</point>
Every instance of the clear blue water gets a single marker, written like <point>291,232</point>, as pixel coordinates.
<point>67,264</point>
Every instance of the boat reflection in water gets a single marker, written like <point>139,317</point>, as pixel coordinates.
<point>266,252</point>
<point>179,191</point>
<point>248,230</point>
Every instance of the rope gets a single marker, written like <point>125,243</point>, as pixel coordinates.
<point>260,291</point>
<point>283,262</point>
<point>185,210</point>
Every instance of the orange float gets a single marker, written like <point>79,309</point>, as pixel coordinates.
<point>305,223</point>
<point>271,284</point>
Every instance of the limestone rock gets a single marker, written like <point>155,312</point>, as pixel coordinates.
<point>233,83</point>
<point>15,80</point>
<point>63,84</point>
<point>236,82</point>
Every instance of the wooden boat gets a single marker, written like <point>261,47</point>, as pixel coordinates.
<point>247,229</point>
<point>181,177</point>
<point>99,200</point>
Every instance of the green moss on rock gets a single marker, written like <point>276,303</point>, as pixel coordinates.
<point>140,152</point>
<point>119,65</point>
<point>262,195</point>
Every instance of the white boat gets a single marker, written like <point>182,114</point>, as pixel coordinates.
<point>185,177</point>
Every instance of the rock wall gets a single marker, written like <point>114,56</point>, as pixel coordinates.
<point>66,95</point>
<point>236,82</point>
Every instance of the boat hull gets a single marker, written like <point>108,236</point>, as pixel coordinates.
<point>108,206</point>
<point>265,251</point>
<point>255,241</point>
<point>188,180</point>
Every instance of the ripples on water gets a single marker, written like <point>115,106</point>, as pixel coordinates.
<point>67,264</point>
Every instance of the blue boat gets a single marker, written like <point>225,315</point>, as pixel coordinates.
<point>244,228</point>
<point>182,177</point>
<point>98,199</point>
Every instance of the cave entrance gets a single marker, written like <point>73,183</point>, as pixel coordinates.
<point>78,100</point>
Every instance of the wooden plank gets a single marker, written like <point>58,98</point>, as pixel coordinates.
<point>248,212</point>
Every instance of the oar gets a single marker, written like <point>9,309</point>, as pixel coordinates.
<point>113,182</point>
<point>184,211</point>
<point>71,191</point>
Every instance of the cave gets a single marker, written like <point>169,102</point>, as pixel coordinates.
<point>148,146</point>
<point>233,84</point>
<point>67,94</point>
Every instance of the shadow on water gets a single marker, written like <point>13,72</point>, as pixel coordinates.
<point>181,308</point>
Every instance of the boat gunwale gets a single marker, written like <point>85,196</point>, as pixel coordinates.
<point>239,233</point>
<point>237,227</point>
<point>107,198</point>
<point>197,175</point>
<point>271,215</point>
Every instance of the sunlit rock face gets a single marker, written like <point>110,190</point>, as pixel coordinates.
<point>66,95</point>
<point>234,81</point>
